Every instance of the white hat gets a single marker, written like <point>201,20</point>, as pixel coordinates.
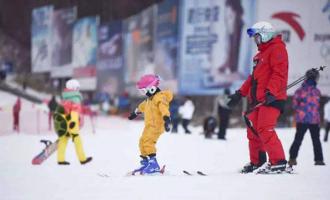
<point>72,84</point>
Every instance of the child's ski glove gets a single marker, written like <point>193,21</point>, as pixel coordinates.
<point>167,123</point>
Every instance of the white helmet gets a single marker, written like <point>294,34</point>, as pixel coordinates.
<point>72,84</point>
<point>264,29</point>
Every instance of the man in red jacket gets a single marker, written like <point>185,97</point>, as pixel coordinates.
<point>16,111</point>
<point>266,84</point>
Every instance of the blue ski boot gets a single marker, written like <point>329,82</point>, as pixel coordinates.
<point>152,167</point>
<point>144,164</point>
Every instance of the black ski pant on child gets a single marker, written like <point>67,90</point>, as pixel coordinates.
<point>300,133</point>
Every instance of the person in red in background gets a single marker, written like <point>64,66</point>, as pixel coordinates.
<point>16,111</point>
<point>266,83</point>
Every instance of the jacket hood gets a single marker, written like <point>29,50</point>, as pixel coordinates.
<point>168,94</point>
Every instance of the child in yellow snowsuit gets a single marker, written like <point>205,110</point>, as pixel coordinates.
<point>67,123</point>
<point>156,119</point>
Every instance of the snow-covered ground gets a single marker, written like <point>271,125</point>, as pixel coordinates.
<point>114,148</point>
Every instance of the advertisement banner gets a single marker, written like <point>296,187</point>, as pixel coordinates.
<point>166,43</point>
<point>41,39</point>
<point>215,49</point>
<point>85,42</point>
<point>85,52</point>
<point>110,59</point>
<point>305,27</point>
<point>62,34</point>
<point>138,46</point>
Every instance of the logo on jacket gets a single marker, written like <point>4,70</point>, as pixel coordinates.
<point>290,19</point>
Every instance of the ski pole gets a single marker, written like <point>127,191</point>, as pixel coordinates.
<point>249,123</point>
<point>294,83</point>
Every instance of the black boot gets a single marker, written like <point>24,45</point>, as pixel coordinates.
<point>319,162</point>
<point>279,166</point>
<point>269,168</point>
<point>63,163</point>
<point>86,161</point>
<point>248,168</point>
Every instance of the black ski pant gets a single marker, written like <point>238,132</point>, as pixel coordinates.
<point>175,123</point>
<point>314,130</point>
<point>223,125</point>
<point>327,128</point>
<point>185,123</point>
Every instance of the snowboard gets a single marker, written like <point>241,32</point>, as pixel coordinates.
<point>50,148</point>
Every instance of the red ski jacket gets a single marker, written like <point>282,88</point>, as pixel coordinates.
<point>270,72</point>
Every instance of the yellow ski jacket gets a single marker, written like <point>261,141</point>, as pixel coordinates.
<point>155,108</point>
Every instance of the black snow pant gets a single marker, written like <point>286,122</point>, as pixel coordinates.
<point>314,130</point>
<point>224,115</point>
<point>185,123</point>
<point>175,123</point>
<point>327,128</point>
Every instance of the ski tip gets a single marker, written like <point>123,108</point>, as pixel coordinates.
<point>186,172</point>
<point>103,175</point>
<point>162,170</point>
<point>131,173</point>
<point>201,173</point>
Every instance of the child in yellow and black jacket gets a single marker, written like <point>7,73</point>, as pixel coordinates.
<point>67,118</point>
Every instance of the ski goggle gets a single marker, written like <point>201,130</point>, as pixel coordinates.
<point>151,90</point>
<point>252,31</point>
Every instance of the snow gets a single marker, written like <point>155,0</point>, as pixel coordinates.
<point>114,148</point>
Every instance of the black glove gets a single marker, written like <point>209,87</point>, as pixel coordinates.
<point>167,123</point>
<point>312,74</point>
<point>134,114</point>
<point>234,99</point>
<point>269,98</point>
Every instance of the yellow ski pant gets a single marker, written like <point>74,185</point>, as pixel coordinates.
<point>148,141</point>
<point>63,141</point>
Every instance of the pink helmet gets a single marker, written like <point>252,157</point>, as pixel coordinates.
<point>147,81</point>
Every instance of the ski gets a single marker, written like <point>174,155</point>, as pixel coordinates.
<point>103,175</point>
<point>191,174</point>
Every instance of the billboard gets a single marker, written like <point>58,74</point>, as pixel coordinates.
<point>85,42</point>
<point>85,52</point>
<point>138,32</point>
<point>40,39</point>
<point>305,27</point>
<point>62,25</point>
<point>110,59</point>
<point>215,51</point>
<point>166,43</point>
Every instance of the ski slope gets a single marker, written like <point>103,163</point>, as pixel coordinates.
<point>114,148</point>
